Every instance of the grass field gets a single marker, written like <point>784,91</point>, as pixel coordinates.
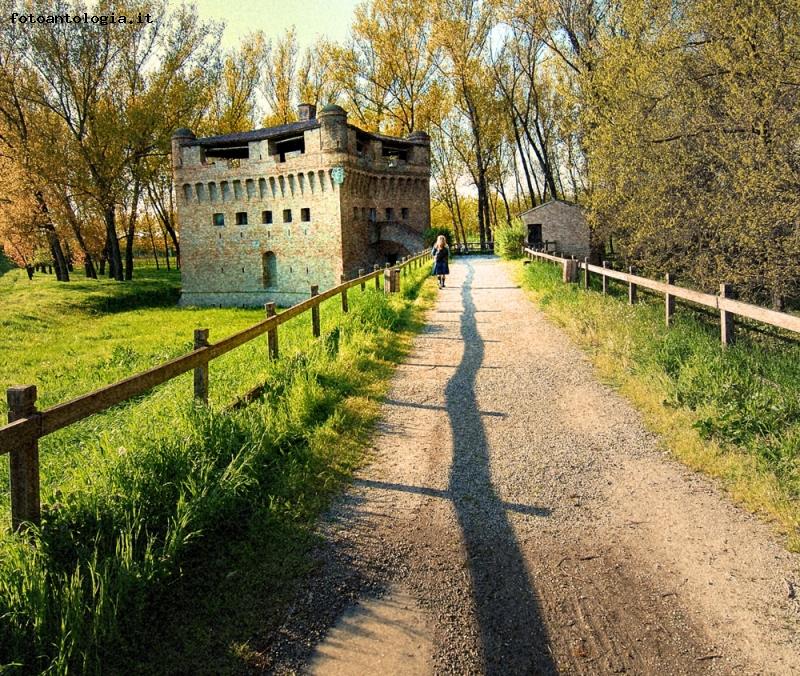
<point>163,513</point>
<point>734,414</point>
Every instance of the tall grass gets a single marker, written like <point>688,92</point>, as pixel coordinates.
<point>162,485</point>
<point>742,403</point>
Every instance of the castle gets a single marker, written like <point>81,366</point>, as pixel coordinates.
<point>265,214</point>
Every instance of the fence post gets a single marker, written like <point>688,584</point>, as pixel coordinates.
<point>361,273</point>
<point>24,462</point>
<point>391,280</point>
<point>725,317</point>
<point>632,291</point>
<point>201,372</point>
<point>375,268</point>
<point>669,300</point>
<point>272,334</point>
<point>570,270</point>
<point>605,279</point>
<point>586,274</point>
<point>315,312</point>
<point>345,307</point>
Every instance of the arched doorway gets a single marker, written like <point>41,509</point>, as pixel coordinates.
<point>269,269</point>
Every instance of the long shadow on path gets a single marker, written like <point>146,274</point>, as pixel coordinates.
<point>512,630</point>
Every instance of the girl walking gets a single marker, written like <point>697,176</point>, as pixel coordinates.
<point>441,255</point>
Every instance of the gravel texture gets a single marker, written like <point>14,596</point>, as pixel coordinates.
<point>518,518</point>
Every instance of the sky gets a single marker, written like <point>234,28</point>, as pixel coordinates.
<point>311,18</point>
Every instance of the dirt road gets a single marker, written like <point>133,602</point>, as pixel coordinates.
<point>519,519</point>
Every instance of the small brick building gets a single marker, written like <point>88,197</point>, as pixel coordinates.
<point>265,214</point>
<point>559,224</point>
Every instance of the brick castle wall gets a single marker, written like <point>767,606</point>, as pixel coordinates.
<point>225,264</point>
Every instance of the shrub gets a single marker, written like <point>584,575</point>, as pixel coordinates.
<point>508,239</point>
<point>430,235</point>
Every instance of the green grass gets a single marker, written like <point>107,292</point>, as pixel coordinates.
<point>164,513</point>
<point>733,413</point>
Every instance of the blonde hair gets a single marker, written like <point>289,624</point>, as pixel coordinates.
<point>441,242</point>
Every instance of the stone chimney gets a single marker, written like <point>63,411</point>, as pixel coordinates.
<point>306,111</point>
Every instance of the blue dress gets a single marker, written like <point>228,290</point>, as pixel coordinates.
<point>440,258</point>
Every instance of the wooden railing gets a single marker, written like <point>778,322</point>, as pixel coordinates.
<point>476,246</point>
<point>20,438</point>
<point>724,303</point>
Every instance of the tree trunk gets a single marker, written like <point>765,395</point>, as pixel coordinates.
<point>523,160</point>
<point>153,246</point>
<point>88,263</point>
<point>166,247</point>
<point>131,230</point>
<point>114,254</point>
<point>502,192</point>
<point>62,270</point>
<point>60,261</point>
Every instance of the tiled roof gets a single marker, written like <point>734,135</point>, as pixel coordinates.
<point>242,137</point>
<point>548,203</point>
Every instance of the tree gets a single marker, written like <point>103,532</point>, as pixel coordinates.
<point>694,154</point>
<point>104,100</point>
<point>234,88</point>
<point>316,83</point>
<point>461,31</point>
<point>279,84</point>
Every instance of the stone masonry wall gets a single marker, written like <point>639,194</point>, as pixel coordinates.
<point>563,223</point>
<point>407,195</point>
<point>225,264</point>
<point>222,265</point>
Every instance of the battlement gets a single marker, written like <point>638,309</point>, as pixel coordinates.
<point>320,142</point>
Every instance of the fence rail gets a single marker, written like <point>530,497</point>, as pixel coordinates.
<point>727,306</point>
<point>20,438</point>
<point>476,246</point>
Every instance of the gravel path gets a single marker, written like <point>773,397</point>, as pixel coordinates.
<point>519,519</point>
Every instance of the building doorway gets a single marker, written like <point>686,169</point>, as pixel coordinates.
<point>534,234</point>
<point>269,270</point>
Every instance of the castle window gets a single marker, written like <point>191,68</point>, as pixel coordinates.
<point>404,213</point>
<point>355,212</point>
<point>287,215</point>
<point>393,153</point>
<point>305,215</point>
<point>373,215</point>
<point>269,269</point>
<point>266,217</point>
<point>241,218</point>
<point>219,219</point>
<point>288,148</point>
<point>389,214</point>
<point>187,192</point>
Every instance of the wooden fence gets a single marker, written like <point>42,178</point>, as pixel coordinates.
<point>20,438</point>
<point>475,246</point>
<point>724,303</point>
